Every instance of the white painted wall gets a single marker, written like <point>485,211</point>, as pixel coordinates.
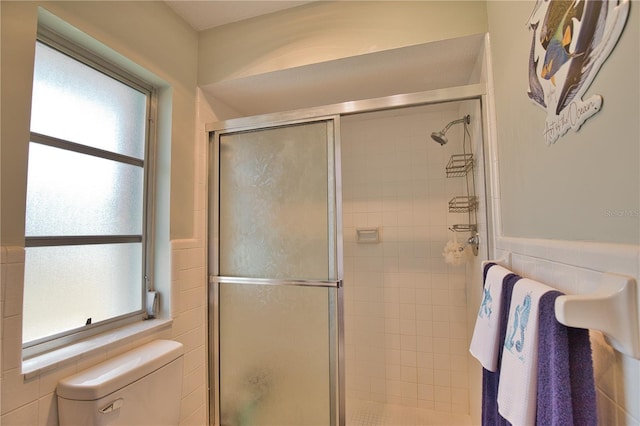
<point>552,201</point>
<point>564,191</point>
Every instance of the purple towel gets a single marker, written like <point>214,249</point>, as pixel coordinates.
<point>486,271</point>
<point>566,391</point>
<point>491,380</point>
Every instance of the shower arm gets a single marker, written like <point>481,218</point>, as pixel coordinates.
<point>465,119</point>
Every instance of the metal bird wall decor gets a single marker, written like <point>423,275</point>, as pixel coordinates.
<point>570,41</point>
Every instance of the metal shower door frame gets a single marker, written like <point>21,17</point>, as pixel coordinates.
<point>337,379</point>
<point>452,94</point>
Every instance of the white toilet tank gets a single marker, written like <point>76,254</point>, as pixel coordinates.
<point>140,387</point>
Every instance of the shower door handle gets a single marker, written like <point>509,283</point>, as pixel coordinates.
<point>271,281</point>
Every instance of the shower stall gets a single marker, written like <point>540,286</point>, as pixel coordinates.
<point>331,302</point>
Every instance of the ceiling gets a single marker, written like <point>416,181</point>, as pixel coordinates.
<point>205,14</point>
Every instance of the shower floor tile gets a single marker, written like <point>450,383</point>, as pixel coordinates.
<point>367,413</point>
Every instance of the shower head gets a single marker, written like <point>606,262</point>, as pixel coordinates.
<point>440,136</point>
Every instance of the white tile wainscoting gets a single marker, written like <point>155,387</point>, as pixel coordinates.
<point>31,399</point>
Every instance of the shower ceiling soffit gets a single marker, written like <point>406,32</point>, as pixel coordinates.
<point>429,66</point>
<point>202,14</point>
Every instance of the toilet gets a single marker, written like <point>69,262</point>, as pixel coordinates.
<point>140,387</point>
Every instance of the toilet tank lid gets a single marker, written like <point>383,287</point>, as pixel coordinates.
<point>115,373</point>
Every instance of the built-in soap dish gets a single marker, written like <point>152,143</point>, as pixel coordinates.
<point>368,235</point>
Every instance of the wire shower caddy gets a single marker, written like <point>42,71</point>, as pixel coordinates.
<point>461,165</point>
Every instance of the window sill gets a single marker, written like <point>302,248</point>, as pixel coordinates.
<point>39,364</point>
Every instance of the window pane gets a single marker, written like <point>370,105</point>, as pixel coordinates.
<point>66,285</point>
<point>77,194</point>
<point>74,102</point>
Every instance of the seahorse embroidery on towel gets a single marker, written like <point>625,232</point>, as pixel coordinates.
<point>520,322</point>
<point>487,304</point>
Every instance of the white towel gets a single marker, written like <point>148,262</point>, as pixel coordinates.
<point>485,342</point>
<point>518,379</point>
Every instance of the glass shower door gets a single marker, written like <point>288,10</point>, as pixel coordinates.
<point>275,284</point>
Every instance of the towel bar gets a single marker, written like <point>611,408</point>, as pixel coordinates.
<point>612,309</point>
<point>504,261</point>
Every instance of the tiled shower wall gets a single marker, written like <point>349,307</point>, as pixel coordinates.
<point>405,308</point>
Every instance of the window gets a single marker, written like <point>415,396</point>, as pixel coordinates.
<point>87,244</point>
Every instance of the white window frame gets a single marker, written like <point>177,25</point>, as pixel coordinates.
<point>79,53</point>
